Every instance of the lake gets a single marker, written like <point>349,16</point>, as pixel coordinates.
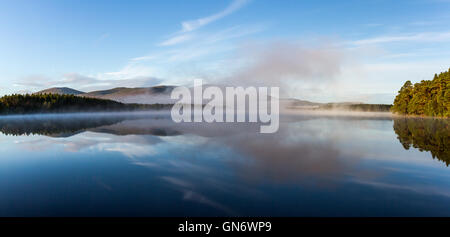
<point>143,164</point>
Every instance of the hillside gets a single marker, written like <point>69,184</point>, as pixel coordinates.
<point>141,95</point>
<point>297,104</point>
<point>60,91</point>
<point>161,95</point>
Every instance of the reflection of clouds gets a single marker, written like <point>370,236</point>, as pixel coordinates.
<point>146,164</point>
<point>294,151</point>
<point>279,157</point>
<point>179,157</point>
<point>186,140</point>
<point>196,197</point>
<point>130,145</point>
<point>422,189</point>
<point>419,173</point>
<point>402,156</point>
<point>102,184</point>
<point>206,162</point>
<point>305,145</point>
<point>177,182</point>
<point>189,194</point>
<point>128,149</point>
<point>297,149</point>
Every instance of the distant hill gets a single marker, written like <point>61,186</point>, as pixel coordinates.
<point>348,106</point>
<point>297,104</point>
<point>60,91</point>
<point>153,95</point>
<point>161,95</point>
<point>141,95</point>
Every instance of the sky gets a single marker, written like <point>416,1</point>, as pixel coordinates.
<point>321,51</point>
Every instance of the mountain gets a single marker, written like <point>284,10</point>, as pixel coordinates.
<point>291,103</point>
<point>60,91</point>
<point>154,95</point>
<point>140,95</point>
<point>161,95</point>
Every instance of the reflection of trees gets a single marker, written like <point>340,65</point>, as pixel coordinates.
<point>54,126</point>
<point>71,124</point>
<point>425,134</point>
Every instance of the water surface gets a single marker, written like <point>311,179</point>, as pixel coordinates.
<point>143,164</point>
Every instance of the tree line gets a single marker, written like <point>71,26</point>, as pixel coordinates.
<point>429,98</point>
<point>55,126</point>
<point>357,107</point>
<point>57,103</point>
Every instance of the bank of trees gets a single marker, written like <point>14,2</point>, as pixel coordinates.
<point>55,103</point>
<point>430,98</point>
<point>357,107</point>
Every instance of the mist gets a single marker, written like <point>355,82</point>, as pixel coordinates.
<point>286,64</point>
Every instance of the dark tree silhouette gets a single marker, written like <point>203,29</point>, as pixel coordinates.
<point>55,103</point>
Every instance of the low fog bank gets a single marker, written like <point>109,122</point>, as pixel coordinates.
<point>85,115</point>
<point>166,114</point>
<point>335,112</point>
<point>157,123</point>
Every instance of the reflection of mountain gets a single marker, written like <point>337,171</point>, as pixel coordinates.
<point>137,127</point>
<point>425,134</point>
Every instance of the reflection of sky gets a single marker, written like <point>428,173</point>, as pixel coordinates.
<point>310,167</point>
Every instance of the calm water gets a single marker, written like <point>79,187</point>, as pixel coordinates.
<point>146,165</point>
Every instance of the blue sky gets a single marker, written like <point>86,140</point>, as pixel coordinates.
<point>366,49</point>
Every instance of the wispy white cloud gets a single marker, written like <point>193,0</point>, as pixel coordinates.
<point>234,32</point>
<point>417,37</point>
<point>102,37</point>
<point>197,23</point>
<point>208,44</point>
<point>191,25</point>
<point>373,24</point>
<point>131,70</point>
<point>176,40</point>
<point>197,47</point>
<point>143,58</point>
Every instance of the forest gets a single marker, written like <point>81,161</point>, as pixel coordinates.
<point>427,98</point>
<point>56,103</point>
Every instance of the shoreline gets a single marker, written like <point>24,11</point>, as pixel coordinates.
<point>419,116</point>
